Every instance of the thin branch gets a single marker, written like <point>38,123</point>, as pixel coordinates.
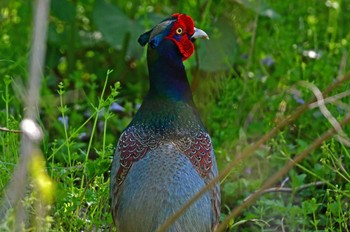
<point>32,132</point>
<point>321,104</point>
<point>332,99</point>
<point>342,137</point>
<point>4,129</point>
<point>282,224</point>
<point>287,190</point>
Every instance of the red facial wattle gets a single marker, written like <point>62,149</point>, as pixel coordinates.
<point>181,32</point>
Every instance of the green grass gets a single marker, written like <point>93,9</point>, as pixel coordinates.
<point>260,50</point>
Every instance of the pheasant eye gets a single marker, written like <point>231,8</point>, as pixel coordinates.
<point>179,31</point>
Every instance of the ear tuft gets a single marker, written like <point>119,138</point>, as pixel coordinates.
<point>144,38</point>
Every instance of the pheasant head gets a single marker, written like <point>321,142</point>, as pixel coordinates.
<point>180,29</point>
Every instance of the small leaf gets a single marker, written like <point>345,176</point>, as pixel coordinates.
<point>230,188</point>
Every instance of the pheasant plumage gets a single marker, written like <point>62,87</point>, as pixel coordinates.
<point>165,156</point>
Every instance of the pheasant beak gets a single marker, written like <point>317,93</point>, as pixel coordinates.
<point>198,33</point>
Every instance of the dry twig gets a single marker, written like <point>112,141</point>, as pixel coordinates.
<point>342,137</point>
<point>32,133</point>
<point>287,190</point>
<point>4,129</point>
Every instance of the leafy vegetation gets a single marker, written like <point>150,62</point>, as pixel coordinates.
<point>263,60</point>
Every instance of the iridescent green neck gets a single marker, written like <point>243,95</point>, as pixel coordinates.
<point>166,116</point>
<point>168,107</point>
<point>167,73</point>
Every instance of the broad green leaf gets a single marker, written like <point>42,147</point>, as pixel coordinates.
<point>260,7</point>
<point>117,29</point>
<point>220,51</point>
<point>63,9</point>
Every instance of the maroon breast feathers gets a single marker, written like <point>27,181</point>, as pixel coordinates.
<point>133,146</point>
